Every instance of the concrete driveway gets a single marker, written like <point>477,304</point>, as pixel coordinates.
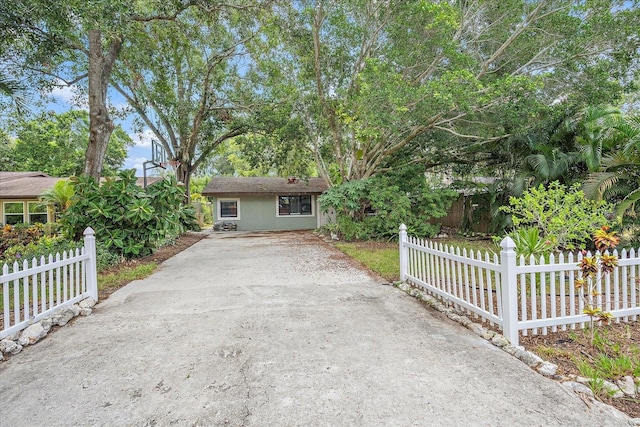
<point>274,330</point>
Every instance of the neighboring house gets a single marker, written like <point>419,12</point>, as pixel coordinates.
<point>19,193</point>
<point>268,203</point>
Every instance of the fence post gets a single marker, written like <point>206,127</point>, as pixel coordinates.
<point>404,253</point>
<point>91,267</point>
<point>509,291</point>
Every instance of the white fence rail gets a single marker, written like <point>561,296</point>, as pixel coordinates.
<point>520,295</point>
<point>36,289</point>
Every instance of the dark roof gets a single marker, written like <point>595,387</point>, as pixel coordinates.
<point>31,185</point>
<point>25,185</point>
<point>263,186</point>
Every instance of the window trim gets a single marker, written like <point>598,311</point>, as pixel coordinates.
<point>300,215</point>
<point>219,210</point>
<point>4,211</point>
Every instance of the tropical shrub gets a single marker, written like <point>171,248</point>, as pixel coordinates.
<point>58,197</point>
<point>562,215</point>
<point>20,235</point>
<point>529,242</point>
<point>594,268</point>
<point>128,220</point>
<point>374,208</point>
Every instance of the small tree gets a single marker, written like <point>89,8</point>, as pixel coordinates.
<point>563,215</point>
<point>58,198</point>
<point>593,269</point>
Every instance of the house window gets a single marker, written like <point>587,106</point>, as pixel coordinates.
<point>13,212</point>
<point>295,205</point>
<point>228,209</point>
<point>37,212</point>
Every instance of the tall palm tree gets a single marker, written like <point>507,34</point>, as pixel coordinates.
<point>618,178</point>
<point>597,134</point>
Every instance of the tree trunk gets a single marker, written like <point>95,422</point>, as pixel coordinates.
<point>100,124</point>
<point>183,175</point>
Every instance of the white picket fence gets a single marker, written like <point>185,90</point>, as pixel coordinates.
<point>36,289</point>
<point>520,295</point>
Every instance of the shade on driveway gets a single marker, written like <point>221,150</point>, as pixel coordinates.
<point>274,329</point>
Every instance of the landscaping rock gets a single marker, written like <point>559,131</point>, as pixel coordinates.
<point>510,349</point>
<point>465,321</point>
<point>63,316</point>
<point>75,308</point>
<point>9,346</point>
<point>488,334</point>
<point>87,303</point>
<point>499,341</point>
<point>46,324</point>
<point>627,385</point>
<point>32,334</point>
<point>529,358</point>
<point>612,390</point>
<point>85,311</point>
<point>548,369</point>
<point>578,387</point>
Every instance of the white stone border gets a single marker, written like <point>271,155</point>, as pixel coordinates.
<point>579,385</point>
<point>13,344</point>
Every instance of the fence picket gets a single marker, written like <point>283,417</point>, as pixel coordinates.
<point>633,280</point>
<point>548,299</point>
<point>496,261</point>
<point>489,286</point>
<point>467,297</point>
<point>552,293</point>
<point>39,286</point>
<point>474,283</point>
<point>35,289</point>
<point>43,287</point>
<point>5,296</point>
<point>563,277</point>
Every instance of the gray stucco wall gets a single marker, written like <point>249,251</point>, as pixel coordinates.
<point>259,213</point>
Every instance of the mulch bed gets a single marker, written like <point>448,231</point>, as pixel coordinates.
<point>565,344</point>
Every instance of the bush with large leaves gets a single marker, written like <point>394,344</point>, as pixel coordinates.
<point>128,220</point>
<point>374,208</point>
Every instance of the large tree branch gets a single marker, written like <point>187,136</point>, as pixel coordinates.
<point>239,130</point>
<point>169,146</point>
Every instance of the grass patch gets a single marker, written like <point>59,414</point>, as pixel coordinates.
<point>125,274</point>
<point>382,258</point>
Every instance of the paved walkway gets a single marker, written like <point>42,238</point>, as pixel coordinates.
<point>274,330</point>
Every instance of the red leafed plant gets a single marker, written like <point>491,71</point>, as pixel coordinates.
<point>593,268</point>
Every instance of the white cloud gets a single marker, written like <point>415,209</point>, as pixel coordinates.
<point>67,95</point>
<point>143,139</point>
<point>135,163</point>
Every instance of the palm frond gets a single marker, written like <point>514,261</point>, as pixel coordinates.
<point>598,183</point>
<point>628,203</point>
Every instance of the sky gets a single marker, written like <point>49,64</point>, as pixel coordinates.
<point>63,99</point>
